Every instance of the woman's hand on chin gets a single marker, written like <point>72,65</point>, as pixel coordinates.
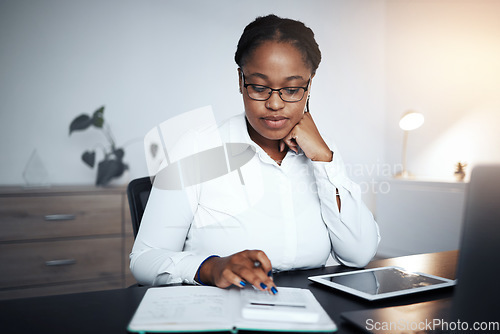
<point>306,135</point>
<point>246,267</point>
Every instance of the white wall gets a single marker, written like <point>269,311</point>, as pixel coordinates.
<point>147,61</point>
<point>443,59</point>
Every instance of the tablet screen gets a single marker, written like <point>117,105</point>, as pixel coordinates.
<point>384,282</point>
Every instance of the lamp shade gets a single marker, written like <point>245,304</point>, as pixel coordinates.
<point>411,120</point>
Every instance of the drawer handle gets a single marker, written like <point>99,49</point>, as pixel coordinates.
<point>60,217</point>
<point>64,262</point>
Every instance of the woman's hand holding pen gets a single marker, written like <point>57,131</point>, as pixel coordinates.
<point>306,135</point>
<point>246,267</point>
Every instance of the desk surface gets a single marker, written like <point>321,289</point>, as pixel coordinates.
<point>110,311</point>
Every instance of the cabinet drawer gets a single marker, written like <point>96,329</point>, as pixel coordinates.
<point>37,217</point>
<point>60,289</point>
<point>60,261</point>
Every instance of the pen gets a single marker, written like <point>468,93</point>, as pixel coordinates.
<point>270,304</point>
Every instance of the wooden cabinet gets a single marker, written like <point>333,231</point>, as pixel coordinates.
<point>63,240</point>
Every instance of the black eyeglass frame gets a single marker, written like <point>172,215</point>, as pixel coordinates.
<point>306,88</point>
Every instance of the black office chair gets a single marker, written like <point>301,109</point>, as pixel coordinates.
<point>138,194</point>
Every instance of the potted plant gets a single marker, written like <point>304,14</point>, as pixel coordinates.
<point>112,165</point>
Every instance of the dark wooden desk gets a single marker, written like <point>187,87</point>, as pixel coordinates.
<point>110,311</point>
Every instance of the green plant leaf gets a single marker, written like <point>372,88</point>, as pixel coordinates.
<point>80,123</point>
<point>153,149</point>
<point>119,153</point>
<point>89,158</point>
<point>109,169</point>
<point>98,117</point>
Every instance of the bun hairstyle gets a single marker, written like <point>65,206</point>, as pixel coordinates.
<point>274,28</point>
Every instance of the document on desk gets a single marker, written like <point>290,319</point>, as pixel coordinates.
<point>204,308</point>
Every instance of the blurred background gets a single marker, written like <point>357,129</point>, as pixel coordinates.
<point>147,61</point>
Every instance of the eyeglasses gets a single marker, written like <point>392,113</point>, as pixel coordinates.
<point>263,93</point>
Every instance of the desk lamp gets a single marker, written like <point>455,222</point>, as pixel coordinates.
<point>410,120</point>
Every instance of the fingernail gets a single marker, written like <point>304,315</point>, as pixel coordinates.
<point>270,273</point>
<point>242,283</point>
<point>274,291</point>
<point>263,286</point>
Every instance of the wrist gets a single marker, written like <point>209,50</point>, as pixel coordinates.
<point>326,156</point>
<point>203,275</point>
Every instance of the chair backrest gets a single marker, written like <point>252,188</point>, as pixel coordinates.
<point>138,194</point>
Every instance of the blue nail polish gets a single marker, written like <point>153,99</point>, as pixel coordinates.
<point>263,286</point>
<point>270,273</point>
<point>242,283</point>
<point>274,291</point>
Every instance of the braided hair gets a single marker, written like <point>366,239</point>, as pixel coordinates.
<point>274,28</point>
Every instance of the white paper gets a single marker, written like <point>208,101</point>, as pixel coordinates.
<point>288,305</point>
<point>194,306</point>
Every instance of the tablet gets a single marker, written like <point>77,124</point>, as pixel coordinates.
<point>384,282</point>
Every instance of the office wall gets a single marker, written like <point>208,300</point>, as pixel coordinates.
<point>147,61</point>
<point>442,59</point>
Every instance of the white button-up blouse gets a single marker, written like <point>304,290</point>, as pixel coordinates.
<point>289,211</point>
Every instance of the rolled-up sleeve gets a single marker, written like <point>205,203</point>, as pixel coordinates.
<point>158,256</point>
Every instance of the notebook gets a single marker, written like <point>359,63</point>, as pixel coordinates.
<point>208,309</point>
<point>474,305</point>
